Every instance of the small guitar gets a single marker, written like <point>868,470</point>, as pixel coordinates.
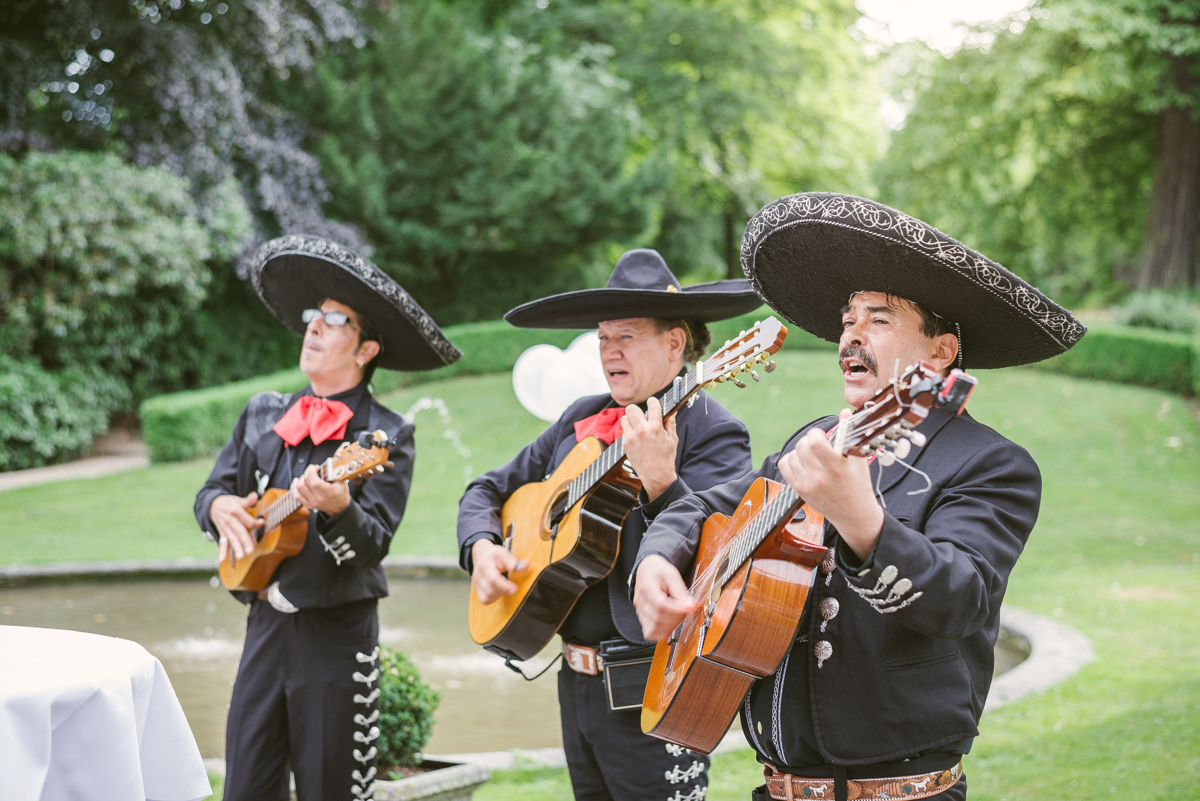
<point>754,570</point>
<point>568,527</point>
<point>286,523</point>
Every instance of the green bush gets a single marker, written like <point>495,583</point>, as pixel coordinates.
<point>186,425</point>
<point>1168,310</point>
<point>1129,355</point>
<point>406,707</point>
<point>101,262</point>
<point>49,417</point>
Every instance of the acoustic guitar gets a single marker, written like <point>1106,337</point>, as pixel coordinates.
<point>285,529</point>
<point>754,570</point>
<point>567,528</point>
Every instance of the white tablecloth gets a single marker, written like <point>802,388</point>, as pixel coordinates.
<point>91,718</point>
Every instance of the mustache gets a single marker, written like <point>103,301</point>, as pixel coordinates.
<point>860,354</point>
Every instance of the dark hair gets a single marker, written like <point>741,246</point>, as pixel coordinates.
<point>698,337</point>
<point>367,333</point>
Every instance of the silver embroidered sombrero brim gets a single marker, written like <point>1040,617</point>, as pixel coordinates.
<point>298,272</point>
<point>806,254</point>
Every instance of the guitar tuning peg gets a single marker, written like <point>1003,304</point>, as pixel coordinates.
<point>770,367</point>
<point>902,449</point>
<point>917,438</point>
<point>887,458</point>
<point>754,375</point>
<point>739,384</point>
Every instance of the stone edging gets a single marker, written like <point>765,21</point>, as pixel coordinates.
<point>1057,651</point>
<point>65,572</point>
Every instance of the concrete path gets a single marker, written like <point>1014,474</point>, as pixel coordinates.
<point>116,452</point>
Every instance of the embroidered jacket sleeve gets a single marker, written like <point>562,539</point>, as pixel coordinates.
<point>941,568</point>
<point>362,534</point>
<point>479,507</point>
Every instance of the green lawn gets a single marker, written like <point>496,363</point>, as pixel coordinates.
<point>1116,554</point>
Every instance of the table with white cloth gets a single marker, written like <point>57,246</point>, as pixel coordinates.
<point>88,717</point>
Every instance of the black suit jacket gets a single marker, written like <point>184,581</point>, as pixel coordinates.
<point>714,447</point>
<point>341,558</point>
<point>912,643</point>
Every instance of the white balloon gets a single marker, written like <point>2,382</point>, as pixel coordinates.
<point>547,380</point>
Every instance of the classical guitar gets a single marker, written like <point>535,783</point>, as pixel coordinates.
<point>286,522</point>
<point>754,570</point>
<point>568,527</point>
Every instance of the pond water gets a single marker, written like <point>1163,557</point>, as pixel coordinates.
<point>196,631</point>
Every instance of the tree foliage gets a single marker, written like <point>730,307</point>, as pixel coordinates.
<point>1038,143</point>
<point>174,83</point>
<point>482,170</point>
<point>103,265</point>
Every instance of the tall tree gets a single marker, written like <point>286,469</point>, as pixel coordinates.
<point>174,83</point>
<point>1063,140</point>
<point>484,170</point>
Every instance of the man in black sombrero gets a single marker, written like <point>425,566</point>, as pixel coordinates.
<point>649,328</point>
<point>882,691</point>
<point>307,686</point>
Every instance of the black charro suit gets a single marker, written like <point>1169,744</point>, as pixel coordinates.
<point>910,645</point>
<point>607,753</point>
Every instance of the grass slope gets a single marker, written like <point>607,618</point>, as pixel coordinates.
<point>1116,553</point>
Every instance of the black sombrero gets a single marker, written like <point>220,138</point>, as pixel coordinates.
<point>298,272</point>
<point>806,254</point>
<point>641,285</point>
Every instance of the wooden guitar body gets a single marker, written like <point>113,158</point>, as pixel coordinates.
<point>740,632</point>
<point>253,572</point>
<point>567,551</point>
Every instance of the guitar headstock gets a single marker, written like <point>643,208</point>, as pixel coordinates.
<point>357,461</point>
<point>743,353</point>
<point>886,424</point>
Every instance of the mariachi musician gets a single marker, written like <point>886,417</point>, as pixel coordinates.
<point>649,328</point>
<point>881,693</point>
<point>306,688</point>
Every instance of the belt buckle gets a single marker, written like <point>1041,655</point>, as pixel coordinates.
<point>581,659</point>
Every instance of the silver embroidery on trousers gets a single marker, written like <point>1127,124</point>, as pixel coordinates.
<point>365,787</point>
<point>676,774</point>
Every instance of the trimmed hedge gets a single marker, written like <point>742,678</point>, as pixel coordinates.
<point>186,425</point>
<point>1127,355</point>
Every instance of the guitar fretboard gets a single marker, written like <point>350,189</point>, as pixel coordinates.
<point>283,508</point>
<point>683,388</point>
<point>778,510</point>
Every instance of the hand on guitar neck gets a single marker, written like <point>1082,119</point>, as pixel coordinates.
<point>837,486</point>
<point>650,446</point>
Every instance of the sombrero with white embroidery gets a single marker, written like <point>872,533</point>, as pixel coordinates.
<point>806,254</point>
<point>641,285</point>
<point>298,272</point>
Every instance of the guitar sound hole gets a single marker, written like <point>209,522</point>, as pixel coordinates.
<point>558,510</point>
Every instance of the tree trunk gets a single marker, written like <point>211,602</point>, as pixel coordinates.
<point>1169,243</point>
<point>733,245</point>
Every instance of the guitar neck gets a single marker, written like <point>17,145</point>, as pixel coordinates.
<point>683,388</point>
<point>283,508</point>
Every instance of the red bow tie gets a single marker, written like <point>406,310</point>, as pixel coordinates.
<point>316,418</point>
<point>606,425</point>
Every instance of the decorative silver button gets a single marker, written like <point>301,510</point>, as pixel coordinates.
<point>822,650</point>
<point>889,575</point>
<point>828,609</point>
<point>902,586</point>
<point>827,566</point>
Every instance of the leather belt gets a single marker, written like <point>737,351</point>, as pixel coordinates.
<point>785,787</point>
<point>582,659</point>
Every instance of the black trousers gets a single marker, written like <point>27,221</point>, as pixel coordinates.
<point>306,694</point>
<point>609,757</point>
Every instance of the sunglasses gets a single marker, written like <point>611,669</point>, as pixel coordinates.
<point>334,318</point>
